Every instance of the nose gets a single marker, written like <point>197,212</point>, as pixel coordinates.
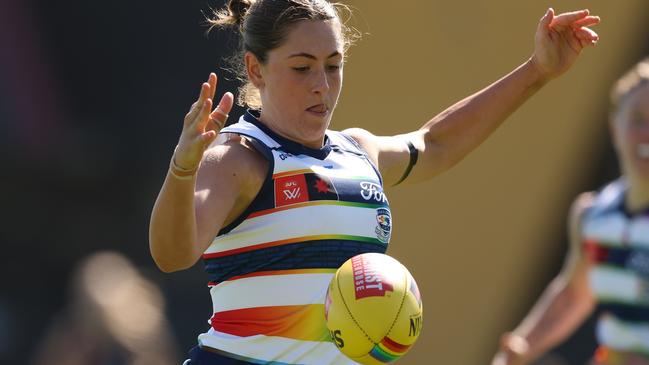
<point>320,82</point>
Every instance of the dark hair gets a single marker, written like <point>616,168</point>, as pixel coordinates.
<point>264,25</point>
<point>631,81</point>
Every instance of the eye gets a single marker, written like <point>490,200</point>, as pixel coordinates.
<point>334,67</point>
<point>301,69</point>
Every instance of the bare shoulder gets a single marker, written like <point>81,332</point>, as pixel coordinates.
<point>389,153</point>
<point>364,138</point>
<point>579,206</point>
<point>232,157</point>
<point>230,175</point>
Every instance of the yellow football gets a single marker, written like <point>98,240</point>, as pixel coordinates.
<point>373,309</point>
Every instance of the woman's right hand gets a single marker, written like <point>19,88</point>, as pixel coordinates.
<point>201,126</point>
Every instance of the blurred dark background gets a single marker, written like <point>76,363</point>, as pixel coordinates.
<point>92,97</point>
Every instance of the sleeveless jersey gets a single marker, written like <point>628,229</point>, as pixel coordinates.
<point>270,269</point>
<point>617,245</point>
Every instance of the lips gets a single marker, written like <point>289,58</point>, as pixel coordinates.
<point>320,109</point>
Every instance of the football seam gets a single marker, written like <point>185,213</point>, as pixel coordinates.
<point>350,313</point>
<point>403,299</point>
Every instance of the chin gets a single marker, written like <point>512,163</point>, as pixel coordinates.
<point>317,124</point>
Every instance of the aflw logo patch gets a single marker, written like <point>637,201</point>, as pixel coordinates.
<point>290,190</point>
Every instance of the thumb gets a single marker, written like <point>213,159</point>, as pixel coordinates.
<point>546,20</point>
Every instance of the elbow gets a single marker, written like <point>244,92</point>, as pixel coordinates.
<point>166,267</point>
<point>170,260</point>
<point>169,265</point>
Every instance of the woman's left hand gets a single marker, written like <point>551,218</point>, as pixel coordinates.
<point>560,39</point>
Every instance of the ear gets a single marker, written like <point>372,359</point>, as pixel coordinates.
<point>253,68</point>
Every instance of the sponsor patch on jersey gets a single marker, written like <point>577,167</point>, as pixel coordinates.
<point>321,187</point>
<point>368,280</point>
<point>384,224</point>
<point>372,191</point>
<point>291,190</point>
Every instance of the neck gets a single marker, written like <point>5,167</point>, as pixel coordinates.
<point>637,197</point>
<point>269,121</point>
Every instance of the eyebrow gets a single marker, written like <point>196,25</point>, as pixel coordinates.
<point>307,55</point>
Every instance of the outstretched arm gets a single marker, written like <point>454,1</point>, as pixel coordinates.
<point>562,307</point>
<point>448,137</point>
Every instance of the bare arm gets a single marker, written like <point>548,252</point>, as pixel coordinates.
<point>562,307</point>
<point>450,136</point>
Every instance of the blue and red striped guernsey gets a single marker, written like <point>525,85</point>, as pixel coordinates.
<point>617,245</point>
<point>269,270</point>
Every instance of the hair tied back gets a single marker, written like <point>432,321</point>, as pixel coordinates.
<point>232,15</point>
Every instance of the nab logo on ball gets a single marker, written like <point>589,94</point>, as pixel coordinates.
<point>336,337</point>
<point>416,323</point>
<point>368,280</point>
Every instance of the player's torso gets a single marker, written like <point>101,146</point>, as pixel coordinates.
<point>617,245</point>
<point>269,270</point>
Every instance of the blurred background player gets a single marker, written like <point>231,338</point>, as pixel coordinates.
<point>115,316</point>
<point>608,259</point>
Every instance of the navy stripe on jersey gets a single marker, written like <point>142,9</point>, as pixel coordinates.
<point>626,312</point>
<point>634,259</point>
<point>320,254</point>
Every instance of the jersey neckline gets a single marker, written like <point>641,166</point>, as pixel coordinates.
<point>252,117</point>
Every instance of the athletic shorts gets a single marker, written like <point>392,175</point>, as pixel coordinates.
<point>207,356</point>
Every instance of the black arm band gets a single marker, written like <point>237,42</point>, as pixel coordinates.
<point>414,154</point>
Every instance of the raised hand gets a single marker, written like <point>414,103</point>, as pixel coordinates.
<point>560,39</point>
<point>201,126</point>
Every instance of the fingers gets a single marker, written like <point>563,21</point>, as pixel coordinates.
<point>586,22</point>
<point>196,107</point>
<point>201,119</point>
<point>566,19</point>
<point>205,139</point>
<point>212,82</point>
<point>587,37</point>
<point>586,34</point>
<point>219,116</point>
<point>545,21</point>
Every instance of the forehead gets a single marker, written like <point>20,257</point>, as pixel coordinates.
<point>316,37</point>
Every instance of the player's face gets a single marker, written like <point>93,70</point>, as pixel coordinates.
<point>302,80</point>
<point>631,131</point>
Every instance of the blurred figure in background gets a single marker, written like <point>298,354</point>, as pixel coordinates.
<point>115,316</point>
<point>608,259</point>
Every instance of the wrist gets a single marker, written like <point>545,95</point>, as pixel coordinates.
<point>541,75</point>
<point>179,172</point>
